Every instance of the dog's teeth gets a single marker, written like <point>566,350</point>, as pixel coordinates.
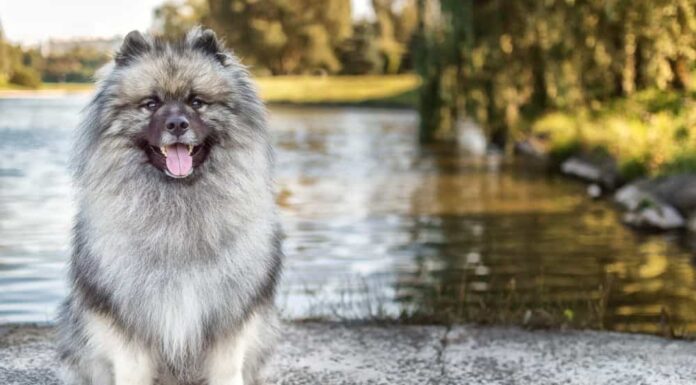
<point>190,148</point>
<point>164,150</point>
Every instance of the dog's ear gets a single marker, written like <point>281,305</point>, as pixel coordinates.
<point>134,45</point>
<point>206,41</point>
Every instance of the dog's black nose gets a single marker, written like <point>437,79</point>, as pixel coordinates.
<point>176,124</point>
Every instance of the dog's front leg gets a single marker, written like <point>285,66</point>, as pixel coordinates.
<point>226,362</point>
<point>131,362</point>
<point>133,366</point>
<point>226,359</point>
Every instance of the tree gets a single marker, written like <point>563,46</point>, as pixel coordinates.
<point>174,18</point>
<point>512,60</point>
<point>17,66</point>
<point>396,22</point>
<point>283,36</point>
<point>442,48</point>
<point>360,53</point>
<point>4,58</point>
<point>77,65</point>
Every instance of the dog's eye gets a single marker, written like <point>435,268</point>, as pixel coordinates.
<point>152,104</point>
<point>197,103</point>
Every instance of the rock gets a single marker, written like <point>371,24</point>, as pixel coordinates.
<point>678,191</point>
<point>581,169</point>
<point>471,137</point>
<point>538,319</point>
<point>632,196</point>
<point>594,191</point>
<point>333,354</point>
<point>662,217</point>
<point>691,224</point>
<point>646,210</point>
<point>667,200</point>
<point>532,148</point>
<point>600,171</point>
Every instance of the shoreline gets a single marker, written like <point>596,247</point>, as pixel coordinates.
<point>380,91</point>
<point>370,104</point>
<point>659,203</point>
<point>40,93</point>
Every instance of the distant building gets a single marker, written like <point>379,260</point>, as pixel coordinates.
<point>55,47</point>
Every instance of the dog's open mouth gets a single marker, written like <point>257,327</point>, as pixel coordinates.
<point>179,159</point>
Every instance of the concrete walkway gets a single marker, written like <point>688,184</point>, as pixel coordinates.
<point>327,354</point>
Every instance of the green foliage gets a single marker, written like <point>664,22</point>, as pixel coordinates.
<point>284,37</point>
<point>516,60</point>
<point>564,150</point>
<point>442,44</point>
<point>17,66</point>
<point>76,66</point>
<point>174,18</point>
<point>681,163</point>
<point>26,77</point>
<point>360,53</point>
<point>395,26</point>
<point>634,168</point>
<point>648,133</point>
<point>4,56</point>
<point>27,67</point>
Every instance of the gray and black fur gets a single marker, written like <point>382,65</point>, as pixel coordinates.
<point>177,274</point>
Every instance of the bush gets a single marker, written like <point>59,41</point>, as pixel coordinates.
<point>634,168</point>
<point>682,163</point>
<point>650,133</point>
<point>25,77</point>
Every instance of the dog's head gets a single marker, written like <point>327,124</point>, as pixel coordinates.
<point>171,104</point>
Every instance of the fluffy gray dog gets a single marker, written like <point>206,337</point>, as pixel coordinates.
<point>176,246</point>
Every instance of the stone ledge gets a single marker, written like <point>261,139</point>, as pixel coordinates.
<point>332,353</point>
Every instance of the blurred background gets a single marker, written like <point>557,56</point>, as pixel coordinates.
<point>499,162</point>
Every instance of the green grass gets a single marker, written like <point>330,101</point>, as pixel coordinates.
<point>650,133</point>
<point>67,86</point>
<point>341,90</point>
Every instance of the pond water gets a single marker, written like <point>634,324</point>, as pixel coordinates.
<point>379,227</point>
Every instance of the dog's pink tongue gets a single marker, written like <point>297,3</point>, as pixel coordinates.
<point>179,162</point>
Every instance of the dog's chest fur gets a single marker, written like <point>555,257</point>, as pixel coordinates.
<point>177,270</point>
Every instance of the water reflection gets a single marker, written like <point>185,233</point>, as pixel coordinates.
<point>434,234</point>
<point>35,208</point>
<point>379,226</point>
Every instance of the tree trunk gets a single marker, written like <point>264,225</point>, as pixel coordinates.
<point>680,72</point>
